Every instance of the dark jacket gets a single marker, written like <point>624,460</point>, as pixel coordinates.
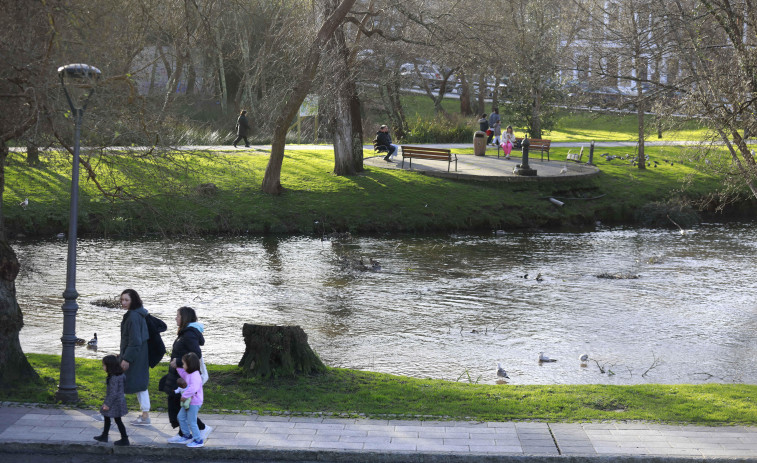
<point>243,127</point>
<point>115,398</point>
<point>383,138</point>
<point>189,340</point>
<point>134,350</point>
<point>483,124</point>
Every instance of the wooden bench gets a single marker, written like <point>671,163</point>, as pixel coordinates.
<point>421,152</point>
<point>535,144</point>
<point>575,156</point>
<point>539,144</point>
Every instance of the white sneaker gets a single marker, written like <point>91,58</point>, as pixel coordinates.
<point>179,440</point>
<point>196,443</point>
<point>141,421</point>
<point>206,432</point>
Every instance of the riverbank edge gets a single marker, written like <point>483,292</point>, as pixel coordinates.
<point>346,393</point>
<point>376,201</point>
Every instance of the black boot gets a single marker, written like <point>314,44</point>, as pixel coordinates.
<point>123,442</point>
<point>102,438</point>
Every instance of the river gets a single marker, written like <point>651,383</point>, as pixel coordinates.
<point>443,306</point>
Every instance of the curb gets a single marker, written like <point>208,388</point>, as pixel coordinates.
<point>96,453</point>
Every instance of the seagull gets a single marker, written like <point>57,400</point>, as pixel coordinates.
<point>584,358</point>
<point>24,203</point>
<point>93,342</point>
<point>564,170</point>
<point>544,358</point>
<point>501,371</point>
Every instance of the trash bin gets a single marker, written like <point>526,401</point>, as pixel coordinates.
<point>479,143</point>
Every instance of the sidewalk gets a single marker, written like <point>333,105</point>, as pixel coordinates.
<point>30,430</point>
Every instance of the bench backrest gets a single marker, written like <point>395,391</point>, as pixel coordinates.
<point>422,150</point>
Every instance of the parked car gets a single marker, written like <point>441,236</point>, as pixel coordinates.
<point>426,72</point>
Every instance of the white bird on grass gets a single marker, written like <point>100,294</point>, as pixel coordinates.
<point>543,358</point>
<point>24,203</point>
<point>501,371</point>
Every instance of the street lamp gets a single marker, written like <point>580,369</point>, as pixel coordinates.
<point>78,82</point>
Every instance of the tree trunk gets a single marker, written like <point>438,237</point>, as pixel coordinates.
<point>481,93</point>
<point>32,155</point>
<point>221,69</point>
<point>465,106</point>
<point>275,351</point>
<point>272,178</point>
<point>640,118</point>
<point>536,114</point>
<point>357,131</point>
<point>14,368</point>
<point>343,89</point>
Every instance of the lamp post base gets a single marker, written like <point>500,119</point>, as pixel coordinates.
<point>67,395</point>
<point>524,171</point>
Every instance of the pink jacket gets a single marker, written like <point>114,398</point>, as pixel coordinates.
<point>194,386</point>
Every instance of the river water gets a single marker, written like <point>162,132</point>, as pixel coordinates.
<point>446,306</point>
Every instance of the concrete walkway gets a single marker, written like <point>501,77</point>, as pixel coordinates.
<point>31,430</point>
<point>490,167</point>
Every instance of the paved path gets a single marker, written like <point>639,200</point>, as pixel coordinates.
<point>490,167</point>
<point>29,429</point>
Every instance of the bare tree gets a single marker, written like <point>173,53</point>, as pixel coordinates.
<point>297,94</point>
<point>714,42</point>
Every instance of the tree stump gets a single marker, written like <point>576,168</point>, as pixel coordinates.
<point>273,351</point>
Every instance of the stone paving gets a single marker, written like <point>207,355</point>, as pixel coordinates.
<point>490,167</point>
<point>389,438</point>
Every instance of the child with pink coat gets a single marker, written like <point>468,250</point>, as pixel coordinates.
<point>191,401</point>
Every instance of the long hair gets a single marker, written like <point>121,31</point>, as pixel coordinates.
<point>136,301</point>
<point>112,366</point>
<point>187,316</point>
<point>191,362</point>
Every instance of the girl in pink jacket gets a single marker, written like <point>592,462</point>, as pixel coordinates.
<point>191,401</point>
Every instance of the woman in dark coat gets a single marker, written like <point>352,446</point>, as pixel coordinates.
<point>243,129</point>
<point>134,359</point>
<point>189,339</point>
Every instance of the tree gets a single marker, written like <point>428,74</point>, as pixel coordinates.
<point>297,94</point>
<point>546,29</point>
<point>25,41</point>
<point>713,42</point>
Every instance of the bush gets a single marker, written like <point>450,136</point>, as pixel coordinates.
<point>440,130</point>
<point>670,214</point>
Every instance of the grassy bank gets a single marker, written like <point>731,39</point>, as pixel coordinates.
<point>162,196</point>
<point>341,391</point>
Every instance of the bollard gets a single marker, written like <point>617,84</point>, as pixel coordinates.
<point>591,154</point>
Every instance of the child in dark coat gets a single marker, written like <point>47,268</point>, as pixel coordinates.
<point>114,405</point>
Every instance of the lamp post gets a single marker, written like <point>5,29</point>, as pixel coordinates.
<point>78,82</point>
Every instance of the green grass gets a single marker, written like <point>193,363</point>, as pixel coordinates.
<point>341,391</point>
<point>316,201</point>
<point>572,126</point>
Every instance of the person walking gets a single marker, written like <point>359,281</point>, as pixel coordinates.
<point>243,129</point>
<point>189,339</point>
<point>114,405</point>
<point>383,138</point>
<point>191,401</point>
<point>495,123</point>
<point>134,355</point>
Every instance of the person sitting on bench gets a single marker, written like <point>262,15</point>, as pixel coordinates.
<point>384,139</point>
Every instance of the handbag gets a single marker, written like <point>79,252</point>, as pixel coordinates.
<point>204,372</point>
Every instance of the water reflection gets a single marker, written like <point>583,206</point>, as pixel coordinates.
<point>440,306</point>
